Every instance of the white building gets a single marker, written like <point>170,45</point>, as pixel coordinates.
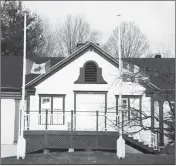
<point>75,105</point>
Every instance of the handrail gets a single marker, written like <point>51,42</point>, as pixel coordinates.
<point>154,141</point>
<point>46,119</point>
<point>31,111</point>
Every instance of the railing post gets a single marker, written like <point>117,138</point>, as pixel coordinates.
<point>20,122</point>
<point>64,118</point>
<point>105,121</point>
<point>46,125</point>
<point>28,120</point>
<point>24,121</point>
<point>71,120</point>
<point>97,120</point>
<point>74,120</point>
<point>158,139</point>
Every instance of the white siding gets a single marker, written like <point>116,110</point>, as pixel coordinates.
<point>7,121</point>
<point>62,82</point>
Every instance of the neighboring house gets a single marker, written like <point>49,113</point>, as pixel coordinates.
<point>80,93</point>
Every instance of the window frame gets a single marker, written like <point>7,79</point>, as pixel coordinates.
<point>128,97</point>
<point>51,96</point>
<point>126,106</point>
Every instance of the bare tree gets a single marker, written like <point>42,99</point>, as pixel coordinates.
<point>139,119</point>
<point>76,30</point>
<point>133,41</point>
<point>52,44</point>
<point>62,40</point>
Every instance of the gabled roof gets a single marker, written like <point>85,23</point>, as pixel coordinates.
<point>76,54</point>
<point>11,70</point>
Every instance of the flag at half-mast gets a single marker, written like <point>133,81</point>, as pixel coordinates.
<point>132,73</point>
<point>34,68</point>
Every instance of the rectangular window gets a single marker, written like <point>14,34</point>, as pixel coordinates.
<point>131,108</point>
<point>55,107</point>
<point>45,103</point>
<point>57,104</point>
<point>124,104</point>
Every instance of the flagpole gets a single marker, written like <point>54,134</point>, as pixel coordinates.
<point>120,141</point>
<point>21,145</point>
<point>24,80</point>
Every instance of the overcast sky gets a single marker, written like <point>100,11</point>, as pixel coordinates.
<point>156,19</point>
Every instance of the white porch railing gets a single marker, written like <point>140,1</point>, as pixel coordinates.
<point>70,120</point>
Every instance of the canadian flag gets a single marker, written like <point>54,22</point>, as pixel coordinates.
<point>34,68</point>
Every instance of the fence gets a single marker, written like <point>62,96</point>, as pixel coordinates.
<point>70,120</point>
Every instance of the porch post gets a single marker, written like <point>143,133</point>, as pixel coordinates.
<point>28,104</point>
<point>46,125</point>
<point>152,114</point>
<point>117,119</point>
<point>28,111</point>
<point>74,111</point>
<point>129,111</point>
<point>161,139</point>
<point>64,110</point>
<point>105,111</point>
<point>140,110</point>
<point>71,120</point>
<point>16,123</point>
<point>97,121</point>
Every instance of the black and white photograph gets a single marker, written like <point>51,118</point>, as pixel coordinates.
<point>87,82</point>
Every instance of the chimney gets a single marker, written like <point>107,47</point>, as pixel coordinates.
<point>157,56</point>
<point>79,45</point>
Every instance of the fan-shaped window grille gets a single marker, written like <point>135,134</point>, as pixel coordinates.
<point>90,72</point>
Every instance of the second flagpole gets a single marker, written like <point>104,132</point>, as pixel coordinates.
<point>21,144</point>
<point>120,142</point>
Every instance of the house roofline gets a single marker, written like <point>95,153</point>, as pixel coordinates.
<point>74,54</point>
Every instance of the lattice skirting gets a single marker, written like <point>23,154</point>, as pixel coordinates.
<point>38,140</point>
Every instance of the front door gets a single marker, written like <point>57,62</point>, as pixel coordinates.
<point>86,107</point>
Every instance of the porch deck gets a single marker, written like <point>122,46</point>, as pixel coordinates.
<point>38,140</point>
<point>81,130</point>
<point>99,140</point>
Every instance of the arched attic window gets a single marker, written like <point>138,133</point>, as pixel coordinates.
<point>90,72</point>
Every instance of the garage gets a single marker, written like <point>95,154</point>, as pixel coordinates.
<point>7,121</point>
<point>87,103</point>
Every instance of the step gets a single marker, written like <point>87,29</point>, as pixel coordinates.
<point>140,144</point>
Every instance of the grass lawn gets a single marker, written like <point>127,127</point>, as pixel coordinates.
<point>92,157</point>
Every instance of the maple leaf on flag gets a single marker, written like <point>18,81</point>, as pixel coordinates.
<point>38,69</point>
